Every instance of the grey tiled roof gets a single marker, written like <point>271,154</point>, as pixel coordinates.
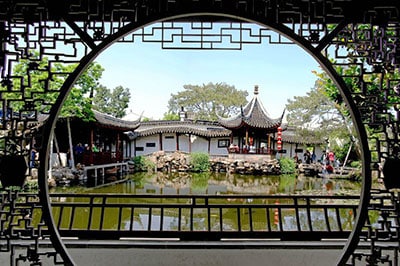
<point>109,121</point>
<point>199,128</point>
<point>103,120</point>
<point>253,115</point>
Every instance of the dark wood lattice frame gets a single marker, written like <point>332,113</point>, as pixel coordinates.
<point>353,33</point>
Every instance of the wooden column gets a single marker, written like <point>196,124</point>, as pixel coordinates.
<point>273,146</point>
<point>160,141</point>
<point>177,141</point>
<point>209,145</point>
<point>91,138</point>
<point>118,151</point>
<point>90,145</point>
<point>190,143</point>
<point>291,150</point>
<point>134,146</point>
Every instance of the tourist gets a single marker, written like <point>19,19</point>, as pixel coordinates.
<point>324,157</point>
<point>307,157</point>
<point>32,162</point>
<point>331,157</point>
<point>78,152</point>
<point>329,168</point>
<point>94,148</point>
<point>296,159</point>
<point>233,148</point>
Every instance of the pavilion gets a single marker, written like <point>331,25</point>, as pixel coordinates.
<point>253,130</point>
<point>105,132</point>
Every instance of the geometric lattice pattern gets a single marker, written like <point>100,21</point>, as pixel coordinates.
<point>357,43</point>
<point>17,213</point>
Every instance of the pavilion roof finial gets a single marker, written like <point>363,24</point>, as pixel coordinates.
<point>256,90</point>
<point>252,115</point>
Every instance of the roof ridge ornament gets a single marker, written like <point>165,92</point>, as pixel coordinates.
<point>255,89</point>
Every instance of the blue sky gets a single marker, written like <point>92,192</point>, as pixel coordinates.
<point>152,73</point>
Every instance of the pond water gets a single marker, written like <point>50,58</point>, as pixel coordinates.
<point>220,183</point>
<point>160,184</point>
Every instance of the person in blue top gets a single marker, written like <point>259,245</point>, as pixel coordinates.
<point>78,152</point>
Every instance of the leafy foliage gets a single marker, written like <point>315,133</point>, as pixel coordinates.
<point>171,116</point>
<point>113,102</point>
<point>288,165</point>
<point>142,164</point>
<point>208,100</point>
<point>41,79</point>
<point>375,85</point>
<point>317,115</point>
<point>200,162</point>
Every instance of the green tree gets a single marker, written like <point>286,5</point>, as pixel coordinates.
<point>316,114</point>
<point>101,99</point>
<point>120,97</point>
<point>79,101</point>
<point>369,78</point>
<point>89,80</point>
<point>41,80</point>
<point>375,81</point>
<point>208,100</point>
<point>113,102</point>
<point>170,116</point>
<point>86,93</point>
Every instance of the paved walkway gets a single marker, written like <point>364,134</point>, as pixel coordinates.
<point>175,253</point>
<point>206,257</point>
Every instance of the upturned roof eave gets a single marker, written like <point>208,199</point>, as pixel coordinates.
<point>108,121</point>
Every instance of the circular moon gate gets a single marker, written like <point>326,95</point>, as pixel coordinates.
<point>363,44</point>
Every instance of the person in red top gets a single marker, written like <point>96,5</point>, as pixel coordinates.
<point>331,157</point>
<point>329,168</point>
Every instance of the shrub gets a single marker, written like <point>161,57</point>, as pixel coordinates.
<point>288,166</point>
<point>142,164</point>
<point>200,162</point>
<point>355,164</point>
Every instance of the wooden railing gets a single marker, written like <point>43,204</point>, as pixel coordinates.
<point>252,151</point>
<point>97,158</point>
<point>203,217</point>
<point>187,217</point>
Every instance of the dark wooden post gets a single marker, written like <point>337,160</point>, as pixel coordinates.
<point>177,141</point>
<point>134,146</point>
<point>118,155</point>
<point>91,145</point>
<point>190,143</point>
<point>160,141</point>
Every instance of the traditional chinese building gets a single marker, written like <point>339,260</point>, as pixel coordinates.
<point>103,139</point>
<point>252,130</point>
<point>184,135</point>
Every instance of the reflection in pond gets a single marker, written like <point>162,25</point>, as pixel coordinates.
<point>217,183</point>
<point>181,184</point>
<point>224,183</point>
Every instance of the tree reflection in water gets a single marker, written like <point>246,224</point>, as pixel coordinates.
<point>223,183</point>
<point>219,184</point>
